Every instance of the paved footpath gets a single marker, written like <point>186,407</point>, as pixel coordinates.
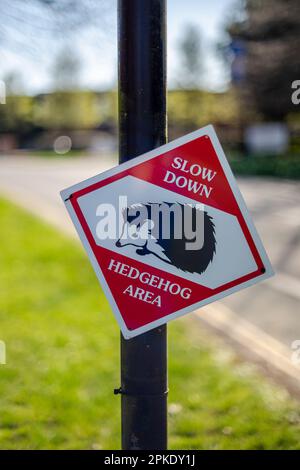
<point>270,309</point>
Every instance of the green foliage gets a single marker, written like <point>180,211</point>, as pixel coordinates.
<point>284,166</point>
<point>187,109</point>
<point>190,109</point>
<point>74,109</point>
<point>63,361</point>
<point>17,114</point>
<point>58,110</point>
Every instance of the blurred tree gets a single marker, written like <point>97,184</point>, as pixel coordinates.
<point>36,27</point>
<point>190,68</point>
<point>185,115</point>
<point>29,22</point>
<point>66,69</point>
<point>16,115</point>
<point>84,110</point>
<point>188,80</point>
<point>270,33</point>
<point>14,82</point>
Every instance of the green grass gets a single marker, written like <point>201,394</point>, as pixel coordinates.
<point>52,154</point>
<point>63,361</point>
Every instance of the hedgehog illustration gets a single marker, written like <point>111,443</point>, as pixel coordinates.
<point>144,228</point>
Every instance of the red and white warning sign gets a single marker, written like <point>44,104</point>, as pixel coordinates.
<point>167,232</point>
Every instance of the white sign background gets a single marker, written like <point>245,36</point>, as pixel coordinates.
<point>232,260</point>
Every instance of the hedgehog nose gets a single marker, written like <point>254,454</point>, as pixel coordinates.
<point>118,243</point>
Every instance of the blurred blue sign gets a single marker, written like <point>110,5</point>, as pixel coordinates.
<point>238,49</point>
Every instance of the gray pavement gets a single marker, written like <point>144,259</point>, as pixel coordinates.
<point>272,306</point>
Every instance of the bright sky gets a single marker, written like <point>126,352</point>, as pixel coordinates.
<point>99,66</point>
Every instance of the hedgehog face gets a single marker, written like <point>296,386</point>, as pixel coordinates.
<point>136,231</point>
<point>139,229</point>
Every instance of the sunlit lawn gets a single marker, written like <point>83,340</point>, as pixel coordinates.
<point>56,390</point>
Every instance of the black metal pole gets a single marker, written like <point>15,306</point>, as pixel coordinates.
<point>142,127</point>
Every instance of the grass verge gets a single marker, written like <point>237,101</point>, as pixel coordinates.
<point>63,361</point>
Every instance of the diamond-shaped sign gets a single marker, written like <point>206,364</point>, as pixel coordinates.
<point>167,232</point>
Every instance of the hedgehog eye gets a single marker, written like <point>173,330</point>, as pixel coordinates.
<point>131,217</point>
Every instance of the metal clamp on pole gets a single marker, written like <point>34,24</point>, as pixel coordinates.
<point>120,391</point>
<point>142,127</point>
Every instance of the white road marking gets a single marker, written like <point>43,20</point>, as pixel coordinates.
<point>249,336</point>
